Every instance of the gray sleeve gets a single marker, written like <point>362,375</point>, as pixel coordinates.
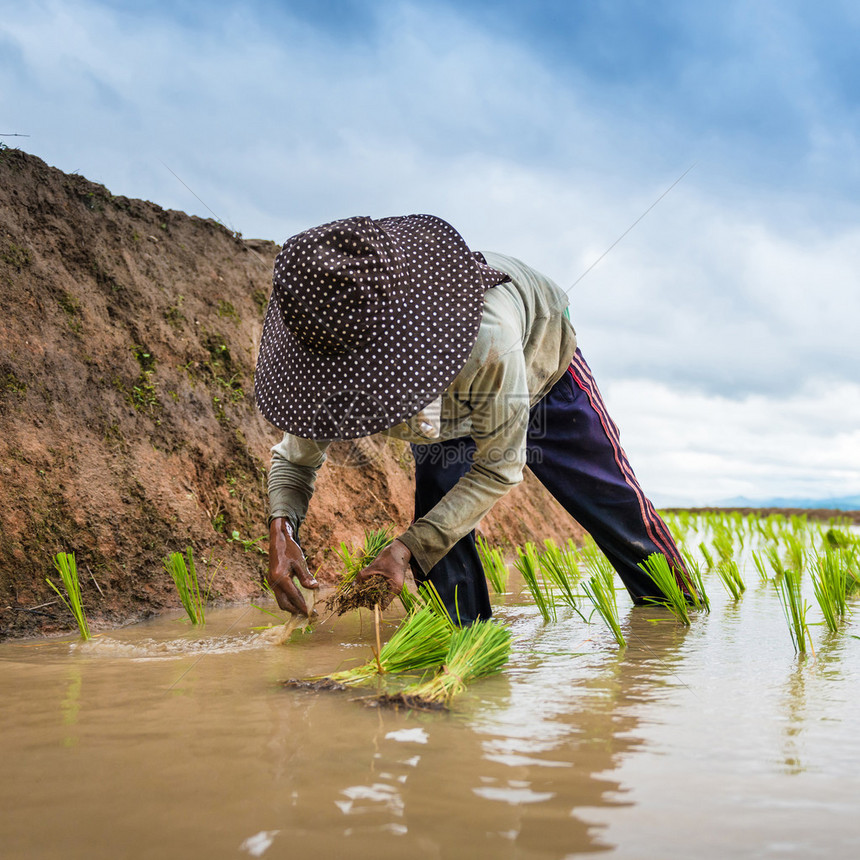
<point>500,401</point>
<point>295,463</point>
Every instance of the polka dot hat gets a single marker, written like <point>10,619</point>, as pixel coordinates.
<point>368,321</point>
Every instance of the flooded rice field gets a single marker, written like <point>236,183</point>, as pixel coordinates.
<point>712,741</point>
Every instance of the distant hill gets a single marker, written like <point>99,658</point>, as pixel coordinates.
<point>841,503</point>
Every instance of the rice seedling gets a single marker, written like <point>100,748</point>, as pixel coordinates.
<point>794,607</point>
<point>571,549</point>
<point>773,559</point>
<point>527,564</point>
<point>68,569</point>
<point>759,564</point>
<point>851,564</point>
<point>184,574</point>
<point>706,555</point>
<point>267,591</point>
<point>560,570</point>
<point>595,560</point>
<point>796,552</point>
<point>408,600</point>
<point>280,632</point>
<point>830,584</point>
<point>600,590</point>
<point>419,643</point>
<point>430,597</point>
<point>352,593</point>
<point>685,522</point>
<point>739,525</point>
<point>799,523</point>
<point>695,582</point>
<point>837,539</point>
<point>765,529</point>
<point>730,576</point>
<point>287,623</point>
<point>663,576</point>
<point>494,565</point>
<point>473,652</point>
<point>723,544</point>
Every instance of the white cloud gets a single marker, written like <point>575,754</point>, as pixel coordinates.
<point>700,449</point>
<point>709,299</point>
<point>729,299</point>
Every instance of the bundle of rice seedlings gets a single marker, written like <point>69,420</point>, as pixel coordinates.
<point>473,652</point>
<point>730,576</point>
<point>352,593</point>
<point>560,569</point>
<point>184,575</point>
<point>494,565</point>
<point>527,564</point>
<point>663,576</point>
<point>794,607</point>
<point>68,569</point>
<point>419,643</point>
<point>830,582</point>
<point>600,590</point>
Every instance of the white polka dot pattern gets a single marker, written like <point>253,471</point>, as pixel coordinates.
<point>367,323</point>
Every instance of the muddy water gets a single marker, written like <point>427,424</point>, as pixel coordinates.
<point>160,741</point>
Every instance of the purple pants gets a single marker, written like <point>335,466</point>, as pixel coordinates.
<point>575,451</point>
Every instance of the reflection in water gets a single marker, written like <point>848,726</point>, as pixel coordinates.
<point>812,677</point>
<point>795,711</point>
<point>522,754</point>
<point>72,704</point>
<point>258,844</point>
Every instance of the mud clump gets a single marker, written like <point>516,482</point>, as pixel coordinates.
<point>313,684</point>
<point>361,594</point>
<point>401,701</point>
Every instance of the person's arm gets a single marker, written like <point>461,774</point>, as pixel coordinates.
<point>293,473</point>
<point>295,463</point>
<point>499,400</point>
<point>498,397</point>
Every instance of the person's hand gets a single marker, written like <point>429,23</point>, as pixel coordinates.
<point>287,560</point>
<point>393,564</point>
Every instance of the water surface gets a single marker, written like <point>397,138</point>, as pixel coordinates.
<point>163,741</point>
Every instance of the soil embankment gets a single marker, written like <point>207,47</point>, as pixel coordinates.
<point>127,422</point>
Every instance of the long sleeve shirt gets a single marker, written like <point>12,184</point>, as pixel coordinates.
<point>525,343</point>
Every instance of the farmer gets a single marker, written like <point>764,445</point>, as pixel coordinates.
<point>394,326</point>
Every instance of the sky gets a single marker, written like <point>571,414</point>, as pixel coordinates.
<point>722,329</point>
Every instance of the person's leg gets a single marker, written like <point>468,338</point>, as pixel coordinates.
<point>459,576</point>
<point>575,451</point>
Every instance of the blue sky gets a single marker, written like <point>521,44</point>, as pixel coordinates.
<point>722,329</point>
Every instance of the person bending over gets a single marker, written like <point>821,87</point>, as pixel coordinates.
<point>395,326</point>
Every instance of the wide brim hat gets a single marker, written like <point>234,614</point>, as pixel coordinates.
<point>368,322</point>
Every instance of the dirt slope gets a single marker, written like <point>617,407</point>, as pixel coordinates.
<point>128,337</point>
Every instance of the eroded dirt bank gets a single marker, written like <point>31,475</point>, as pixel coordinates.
<point>128,337</point>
